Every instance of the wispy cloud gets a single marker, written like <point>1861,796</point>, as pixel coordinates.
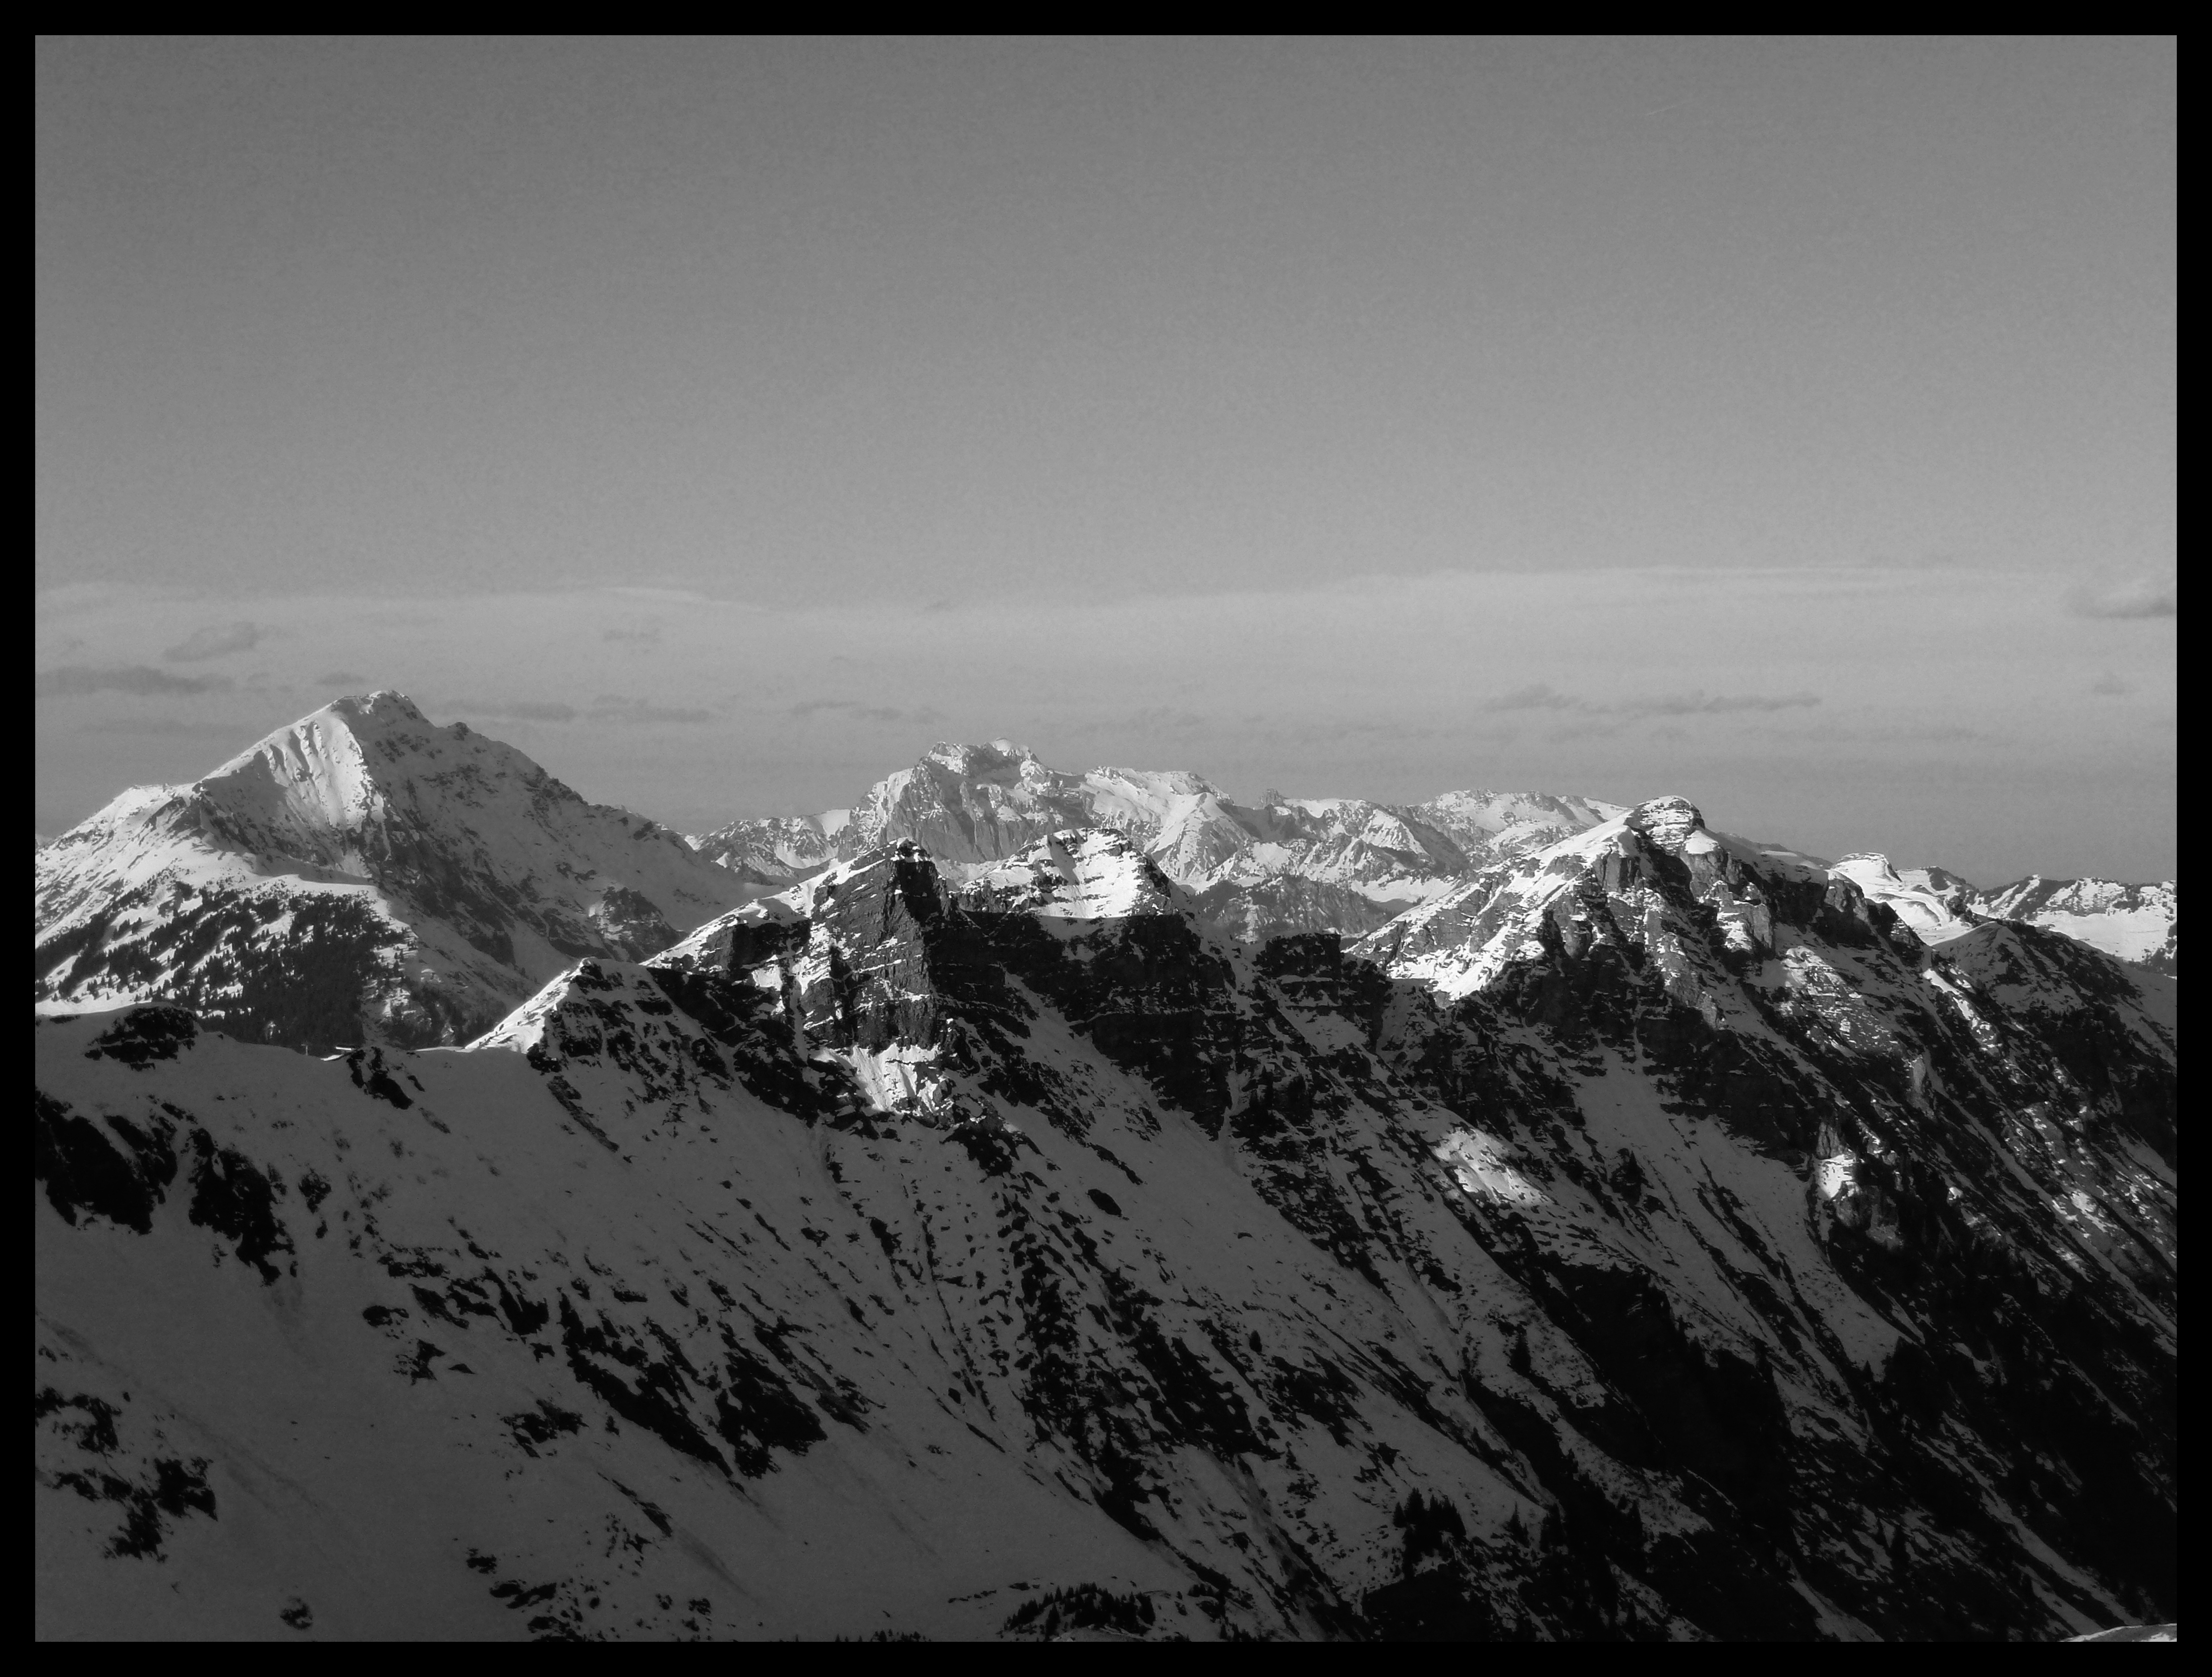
<point>923,717</point>
<point>514,710</point>
<point>1701,703</point>
<point>1162,718</point>
<point>1537,696</point>
<point>616,708</point>
<point>216,641</point>
<point>342,678</point>
<point>2110,687</point>
<point>2138,596</point>
<point>619,708</point>
<point>141,727</point>
<point>70,679</point>
<point>1915,734</point>
<point>1540,695</point>
<point>640,635</point>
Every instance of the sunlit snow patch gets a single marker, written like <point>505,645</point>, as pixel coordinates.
<point>1477,1162</point>
<point>1836,1174</point>
<point>901,1077</point>
<point>1081,876</point>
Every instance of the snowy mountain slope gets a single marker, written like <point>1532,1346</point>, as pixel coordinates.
<point>1286,865</point>
<point>2133,922</point>
<point>899,1253</point>
<point>360,874</point>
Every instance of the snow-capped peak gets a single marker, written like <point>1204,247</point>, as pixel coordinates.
<point>359,873</point>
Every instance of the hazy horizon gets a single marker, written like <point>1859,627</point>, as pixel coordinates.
<point>1759,759</point>
<point>1786,423</point>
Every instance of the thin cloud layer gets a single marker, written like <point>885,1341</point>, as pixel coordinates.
<point>2139,597</point>
<point>616,708</point>
<point>1700,703</point>
<point>72,679</point>
<point>223,735</point>
<point>515,710</point>
<point>924,717</point>
<point>1814,706</point>
<point>1541,696</point>
<point>1537,696</point>
<point>216,641</point>
<point>619,708</point>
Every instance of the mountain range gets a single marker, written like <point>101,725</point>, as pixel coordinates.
<point>1289,865</point>
<point>1257,871</point>
<point>1005,1228</point>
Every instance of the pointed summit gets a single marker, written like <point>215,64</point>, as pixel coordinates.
<point>361,873</point>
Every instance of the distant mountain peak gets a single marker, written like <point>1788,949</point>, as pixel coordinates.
<point>1288,864</point>
<point>359,874</point>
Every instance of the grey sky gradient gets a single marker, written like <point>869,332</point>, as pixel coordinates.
<point>1400,366</point>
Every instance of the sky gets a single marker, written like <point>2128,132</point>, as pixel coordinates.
<point>1789,424</point>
